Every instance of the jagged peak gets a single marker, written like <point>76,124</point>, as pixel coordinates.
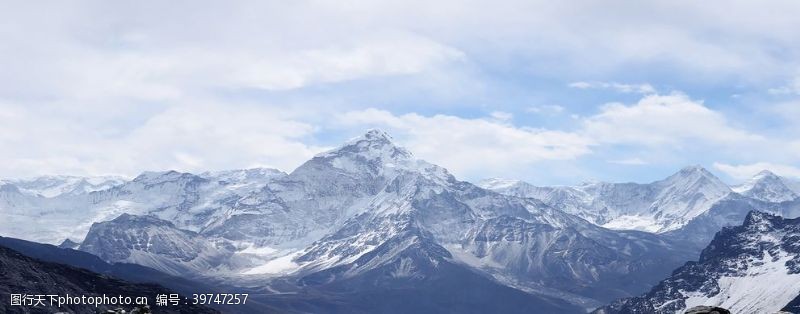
<point>757,218</point>
<point>694,174</point>
<point>161,176</point>
<point>377,134</point>
<point>767,186</point>
<point>372,136</point>
<point>374,144</point>
<point>765,174</point>
<point>694,169</point>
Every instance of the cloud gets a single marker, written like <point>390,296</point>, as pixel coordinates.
<point>394,54</point>
<point>181,85</point>
<point>661,127</point>
<point>470,147</point>
<point>94,49</point>
<point>746,171</point>
<point>169,74</point>
<point>792,88</point>
<point>659,120</point>
<point>619,87</point>
<point>197,137</point>
<point>546,109</point>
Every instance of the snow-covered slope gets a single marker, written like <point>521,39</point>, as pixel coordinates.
<point>765,192</point>
<point>752,268</point>
<point>52,186</point>
<point>659,206</point>
<point>367,210</point>
<point>374,196</point>
<point>190,201</point>
<point>155,243</point>
<point>769,187</point>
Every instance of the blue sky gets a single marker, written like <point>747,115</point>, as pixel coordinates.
<point>552,93</point>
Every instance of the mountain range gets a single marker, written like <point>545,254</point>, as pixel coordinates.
<point>368,227</point>
<point>688,207</point>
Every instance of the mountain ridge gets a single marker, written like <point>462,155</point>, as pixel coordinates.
<point>751,268</point>
<point>369,211</point>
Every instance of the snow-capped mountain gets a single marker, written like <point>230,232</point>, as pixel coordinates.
<point>152,242</point>
<point>407,220</point>
<point>659,206</point>
<point>366,213</point>
<point>52,186</point>
<point>765,192</point>
<point>189,201</point>
<point>752,268</point>
<point>370,218</point>
<point>769,187</point>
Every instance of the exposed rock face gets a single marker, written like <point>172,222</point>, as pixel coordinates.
<point>20,274</point>
<point>69,244</point>
<point>155,243</point>
<point>752,268</point>
<point>701,309</point>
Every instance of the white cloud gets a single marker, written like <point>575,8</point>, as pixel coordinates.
<point>168,74</point>
<point>193,137</point>
<point>93,49</point>
<point>658,120</point>
<point>664,127</point>
<point>619,87</point>
<point>94,83</point>
<point>470,147</point>
<point>546,109</point>
<point>393,54</point>
<point>746,171</point>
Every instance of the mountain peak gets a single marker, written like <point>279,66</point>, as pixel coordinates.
<point>139,220</point>
<point>765,173</point>
<point>767,186</point>
<point>693,169</point>
<point>756,218</point>
<point>377,134</point>
<point>154,177</point>
<point>374,145</point>
<point>693,175</point>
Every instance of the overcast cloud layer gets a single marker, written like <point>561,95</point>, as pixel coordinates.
<point>553,93</point>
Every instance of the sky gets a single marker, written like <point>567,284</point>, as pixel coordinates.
<point>551,92</point>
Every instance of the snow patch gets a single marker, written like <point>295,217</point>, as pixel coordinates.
<point>633,223</point>
<point>280,265</point>
<point>765,287</point>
